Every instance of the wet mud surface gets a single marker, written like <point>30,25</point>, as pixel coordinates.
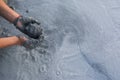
<point>82,38</point>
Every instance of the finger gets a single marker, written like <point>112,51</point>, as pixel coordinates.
<point>24,38</point>
<point>35,21</point>
<point>27,20</point>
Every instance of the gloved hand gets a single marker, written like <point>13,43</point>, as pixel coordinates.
<point>28,26</point>
<point>23,41</point>
<point>33,43</point>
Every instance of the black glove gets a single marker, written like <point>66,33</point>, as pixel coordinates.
<point>28,26</point>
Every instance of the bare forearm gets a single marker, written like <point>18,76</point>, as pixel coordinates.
<point>7,12</point>
<point>9,41</point>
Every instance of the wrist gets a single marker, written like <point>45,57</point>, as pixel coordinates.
<point>21,40</point>
<point>16,20</point>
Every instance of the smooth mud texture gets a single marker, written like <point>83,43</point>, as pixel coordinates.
<point>82,39</point>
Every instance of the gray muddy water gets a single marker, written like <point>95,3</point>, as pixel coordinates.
<point>82,38</point>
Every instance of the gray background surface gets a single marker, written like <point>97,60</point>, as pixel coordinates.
<point>83,38</point>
